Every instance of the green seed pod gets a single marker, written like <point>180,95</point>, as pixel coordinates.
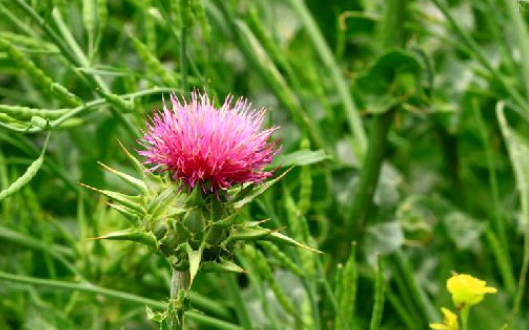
<point>155,68</point>
<point>175,11</point>
<point>7,119</point>
<point>150,27</point>
<point>282,258</point>
<point>292,215</point>
<point>25,113</point>
<point>347,290</point>
<point>307,316</point>
<point>186,13</point>
<point>64,94</point>
<point>378,305</point>
<point>27,176</point>
<point>266,272</point>
<point>29,42</point>
<point>37,75</point>
<point>39,122</point>
<point>89,20</point>
<point>282,298</point>
<point>102,15</point>
<point>200,13</point>
<point>306,183</point>
<point>118,102</point>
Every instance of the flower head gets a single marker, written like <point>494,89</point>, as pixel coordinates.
<point>449,323</point>
<point>214,148</point>
<point>467,290</point>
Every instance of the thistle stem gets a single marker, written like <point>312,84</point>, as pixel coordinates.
<point>179,285</point>
<point>392,35</point>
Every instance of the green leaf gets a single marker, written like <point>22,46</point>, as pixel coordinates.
<point>299,158</point>
<point>138,184</point>
<point>155,316</point>
<point>248,233</point>
<point>165,202</point>
<point>392,78</point>
<point>132,202</point>
<point>387,68</point>
<point>280,238</point>
<point>137,164</point>
<point>224,265</point>
<point>194,258</point>
<point>129,214</point>
<point>227,221</point>
<point>251,192</point>
<point>134,235</point>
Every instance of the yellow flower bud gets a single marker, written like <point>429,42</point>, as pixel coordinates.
<point>449,323</point>
<point>467,290</point>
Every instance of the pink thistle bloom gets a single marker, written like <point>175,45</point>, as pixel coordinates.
<point>199,144</point>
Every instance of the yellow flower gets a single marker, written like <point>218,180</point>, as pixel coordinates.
<point>450,321</point>
<point>467,290</point>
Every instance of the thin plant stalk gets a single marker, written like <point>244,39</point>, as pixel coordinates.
<point>73,53</point>
<point>180,281</point>
<point>240,307</point>
<point>498,221</point>
<point>521,36</point>
<point>183,57</point>
<point>325,53</point>
<point>464,317</point>
<point>479,53</point>
<point>131,298</point>
<point>392,35</point>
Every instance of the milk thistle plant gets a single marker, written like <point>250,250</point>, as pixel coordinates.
<point>466,292</point>
<point>203,165</point>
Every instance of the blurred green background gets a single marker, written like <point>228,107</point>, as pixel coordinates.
<point>453,192</point>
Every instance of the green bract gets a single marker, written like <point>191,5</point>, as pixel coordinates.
<point>193,230</point>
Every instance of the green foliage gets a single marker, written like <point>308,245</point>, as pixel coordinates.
<point>449,164</point>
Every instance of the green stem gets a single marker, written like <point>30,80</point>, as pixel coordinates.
<point>392,35</point>
<point>90,288</point>
<point>183,57</point>
<point>481,56</point>
<point>209,305</point>
<point>330,294</point>
<point>180,282</point>
<point>88,106</point>
<point>371,167</point>
<point>419,296</point>
<point>240,306</point>
<point>325,53</point>
<point>56,251</point>
<point>464,317</point>
<point>520,36</point>
<point>497,222</point>
<point>74,54</point>
<point>85,287</point>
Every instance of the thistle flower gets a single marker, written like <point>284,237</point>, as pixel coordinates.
<point>449,322</point>
<point>213,148</point>
<point>467,290</point>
